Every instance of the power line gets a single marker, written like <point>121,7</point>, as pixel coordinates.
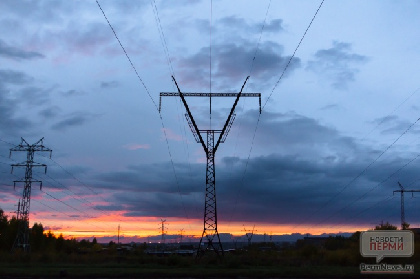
<point>354,216</point>
<point>54,209</point>
<point>22,210</point>
<point>162,36</point>
<point>385,118</point>
<point>72,207</point>
<point>83,184</point>
<point>294,53</point>
<point>237,138</point>
<point>7,142</point>
<point>128,57</point>
<point>259,40</point>
<point>57,199</point>
<point>364,171</point>
<point>373,188</point>
<point>272,91</point>
<point>63,186</point>
<point>79,200</point>
<point>169,62</point>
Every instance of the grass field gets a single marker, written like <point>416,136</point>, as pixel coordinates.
<point>198,270</point>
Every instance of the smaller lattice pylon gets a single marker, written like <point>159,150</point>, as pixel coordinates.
<point>181,234</point>
<point>163,232</point>
<point>249,234</point>
<point>22,238</point>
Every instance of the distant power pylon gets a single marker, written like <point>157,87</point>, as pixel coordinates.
<point>403,223</point>
<point>22,238</point>
<point>163,231</point>
<point>181,232</point>
<point>249,234</point>
<point>210,231</point>
<point>118,234</point>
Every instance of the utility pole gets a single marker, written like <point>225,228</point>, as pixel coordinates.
<point>22,238</point>
<point>249,234</point>
<point>404,225</point>
<point>210,232</point>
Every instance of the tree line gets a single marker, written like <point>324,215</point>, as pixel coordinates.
<point>39,239</point>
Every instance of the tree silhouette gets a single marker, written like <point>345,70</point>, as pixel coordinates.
<point>387,226</point>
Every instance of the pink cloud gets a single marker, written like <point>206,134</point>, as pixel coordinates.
<point>135,146</point>
<point>171,135</point>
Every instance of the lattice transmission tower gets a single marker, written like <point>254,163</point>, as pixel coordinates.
<point>210,232</point>
<point>22,238</point>
<point>404,225</point>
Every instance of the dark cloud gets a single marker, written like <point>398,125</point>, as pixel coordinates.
<point>34,96</point>
<point>73,92</point>
<point>109,207</point>
<point>15,90</point>
<point>160,204</point>
<point>330,107</point>
<point>64,32</point>
<point>128,6</point>
<point>240,24</point>
<point>236,28</point>
<point>338,63</point>
<point>231,63</point>
<point>234,22</point>
<point>52,228</point>
<point>275,25</point>
<point>9,120</point>
<point>16,53</point>
<point>180,3</point>
<point>77,119</point>
<point>35,10</point>
<point>392,124</point>
<point>50,112</point>
<point>156,180</point>
<point>14,77</point>
<point>415,108</point>
<point>291,133</point>
<point>385,119</point>
<point>109,84</point>
<point>73,35</point>
<point>72,39</point>
<point>309,165</point>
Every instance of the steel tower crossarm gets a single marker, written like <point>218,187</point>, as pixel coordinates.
<point>191,117</point>
<point>230,115</point>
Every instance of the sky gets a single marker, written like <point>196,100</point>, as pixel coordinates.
<point>337,132</point>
